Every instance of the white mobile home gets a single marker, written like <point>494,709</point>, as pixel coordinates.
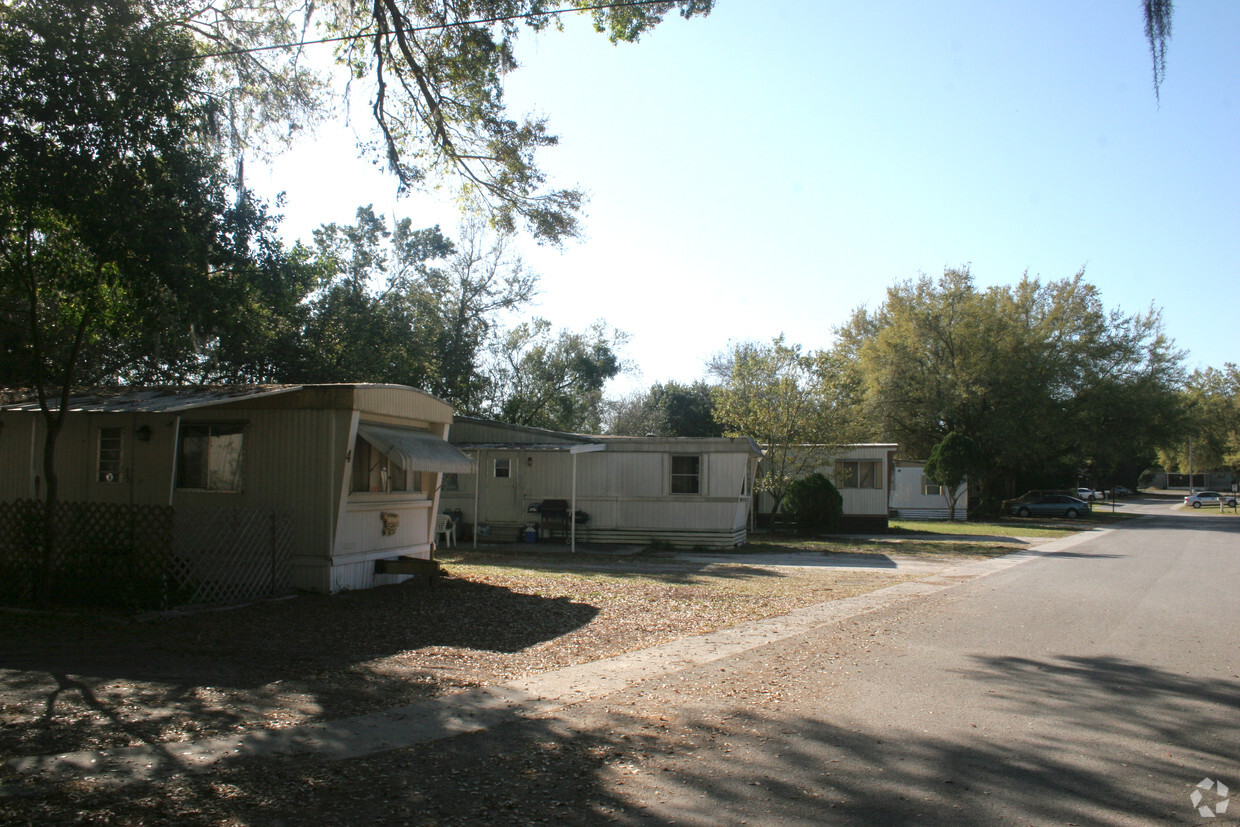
<point>355,468</point>
<point>913,497</point>
<point>862,472</point>
<point>683,491</point>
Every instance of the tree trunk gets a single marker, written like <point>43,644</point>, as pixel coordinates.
<point>47,557</point>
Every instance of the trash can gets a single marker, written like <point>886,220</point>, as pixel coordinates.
<point>531,532</point>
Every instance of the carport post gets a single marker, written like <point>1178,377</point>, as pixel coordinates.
<point>477,476</point>
<point>572,509</point>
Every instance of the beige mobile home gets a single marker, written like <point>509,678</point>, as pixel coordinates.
<point>862,472</point>
<point>338,477</point>
<point>913,497</point>
<point>681,491</point>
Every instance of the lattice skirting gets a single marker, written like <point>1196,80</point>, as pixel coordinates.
<point>142,557</point>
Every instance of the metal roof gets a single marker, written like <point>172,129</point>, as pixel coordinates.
<point>163,398</point>
<point>563,447</point>
<point>140,399</point>
<point>418,448</point>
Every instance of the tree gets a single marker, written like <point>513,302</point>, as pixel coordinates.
<point>1158,14</point>
<point>1039,375</point>
<point>481,281</point>
<point>949,466</point>
<point>434,75</point>
<point>781,397</point>
<point>670,409</point>
<point>553,381</point>
<point>407,306</point>
<point>367,319</point>
<point>109,208</point>
<point>1211,407</point>
<point>815,504</point>
<point>257,303</point>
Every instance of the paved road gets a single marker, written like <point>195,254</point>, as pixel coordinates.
<point>1092,686</point>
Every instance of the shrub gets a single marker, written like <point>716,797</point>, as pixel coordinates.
<point>814,504</point>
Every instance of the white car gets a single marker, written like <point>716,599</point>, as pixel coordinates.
<point>1089,495</point>
<point>1201,498</point>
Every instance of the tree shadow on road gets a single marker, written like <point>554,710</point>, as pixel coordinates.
<point>1127,743</point>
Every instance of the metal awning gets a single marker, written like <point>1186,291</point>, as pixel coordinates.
<point>417,449</point>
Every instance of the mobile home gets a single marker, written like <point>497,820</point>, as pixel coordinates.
<point>862,472</point>
<point>354,468</point>
<point>913,497</point>
<point>535,483</point>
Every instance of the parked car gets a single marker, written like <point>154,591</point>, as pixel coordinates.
<point>1201,498</point>
<point>1121,491</point>
<point>1051,505</point>
<point>1089,494</point>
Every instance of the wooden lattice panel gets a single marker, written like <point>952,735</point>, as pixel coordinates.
<point>145,557</point>
<point>226,555</point>
<point>105,554</point>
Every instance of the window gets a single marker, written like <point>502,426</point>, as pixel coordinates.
<point>686,474</point>
<point>110,444</point>
<point>377,473</point>
<point>503,468</point>
<point>929,489</point>
<point>858,474</point>
<point>451,482</point>
<point>209,457</point>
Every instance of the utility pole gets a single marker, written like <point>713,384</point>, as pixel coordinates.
<point>1191,489</point>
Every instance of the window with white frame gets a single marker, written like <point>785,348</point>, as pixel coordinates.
<point>503,468</point>
<point>686,474</point>
<point>930,489</point>
<point>211,457</point>
<point>865,473</point>
<point>111,443</point>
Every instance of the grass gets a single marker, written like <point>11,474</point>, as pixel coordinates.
<point>920,548</point>
<point>998,528</point>
<point>1209,511</point>
<point>1021,527</point>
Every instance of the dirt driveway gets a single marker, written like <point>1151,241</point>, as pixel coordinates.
<point>74,682</point>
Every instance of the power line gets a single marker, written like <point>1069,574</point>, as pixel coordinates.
<point>415,29</point>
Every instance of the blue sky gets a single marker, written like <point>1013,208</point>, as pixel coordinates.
<point>775,165</point>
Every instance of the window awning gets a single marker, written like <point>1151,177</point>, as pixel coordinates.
<point>418,450</point>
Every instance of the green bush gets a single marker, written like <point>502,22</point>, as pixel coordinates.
<point>814,504</point>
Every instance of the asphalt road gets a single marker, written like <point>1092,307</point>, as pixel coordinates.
<point>1098,685</point>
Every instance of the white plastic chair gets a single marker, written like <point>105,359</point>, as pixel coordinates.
<point>446,527</point>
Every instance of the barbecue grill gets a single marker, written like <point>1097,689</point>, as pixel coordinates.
<point>553,514</point>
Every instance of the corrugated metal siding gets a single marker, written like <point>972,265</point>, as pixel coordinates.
<point>145,472</point>
<point>288,463</point>
<point>402,403</point>
<point>623,474</point>
<point>362,530</point>
<point>466,430</point>
<point>396,401</point>
<point>940,513</point>
<point>906,493</point>
<point>677,539</point>
<point>16,460</point>
<point>864,500</point>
